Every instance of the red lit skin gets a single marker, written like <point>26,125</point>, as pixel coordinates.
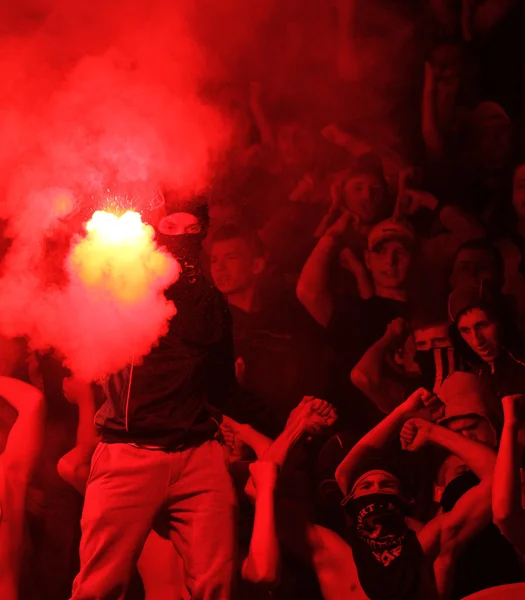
<point>364,196</point>
<point>472,266</point>
<point>378,483</point>
<point>446,534</point>
<point>235,271</point>
<point>313,289</point>
<point>508,491</point>
<point>475,429</point>
<point>296,146</point>
<point>17,463</point>
<point>434,336</point>
<point>389,265</point>
<point>481,334</point>
<point>264,556</point>
<point>179,224</point>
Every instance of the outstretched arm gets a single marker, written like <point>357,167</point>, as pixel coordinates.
<point>25,439</point>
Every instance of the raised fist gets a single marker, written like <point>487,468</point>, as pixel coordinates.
<point>415,434</point>
<point>514,408</point>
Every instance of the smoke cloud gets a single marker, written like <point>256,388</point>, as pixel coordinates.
<point>98,101</point>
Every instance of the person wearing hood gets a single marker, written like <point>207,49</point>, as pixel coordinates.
<point>485,333</point>
<point>159,460</point>
<point>484,559</point>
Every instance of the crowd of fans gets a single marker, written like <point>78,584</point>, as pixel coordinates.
<point>375,432</point>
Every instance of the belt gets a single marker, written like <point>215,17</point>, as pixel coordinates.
<point>157,448</point>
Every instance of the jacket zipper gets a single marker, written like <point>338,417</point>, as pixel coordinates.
<point>126,409</point>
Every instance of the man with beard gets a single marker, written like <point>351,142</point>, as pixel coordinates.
<point>158,456</point>
<point>397,557</point>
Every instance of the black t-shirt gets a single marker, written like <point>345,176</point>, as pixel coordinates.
<point>282,358</point>
<point>356,325</point>
<point>167,400</point>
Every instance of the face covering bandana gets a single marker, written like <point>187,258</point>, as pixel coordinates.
<point>379,520</point>
<point>186,248</point>
<point>436,365</point>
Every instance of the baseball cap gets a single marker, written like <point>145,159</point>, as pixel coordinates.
<point>391,229</point>
<point>377,462</point>
<point>487,113</point>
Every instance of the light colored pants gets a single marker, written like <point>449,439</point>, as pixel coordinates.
<point>128,489</point>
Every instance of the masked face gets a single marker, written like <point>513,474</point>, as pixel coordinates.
<point>181,235</point>
<point>379,520</point>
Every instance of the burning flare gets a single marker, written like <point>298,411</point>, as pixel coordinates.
<point>118,257</point>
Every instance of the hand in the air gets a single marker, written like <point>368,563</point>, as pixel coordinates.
<point>415,434</point>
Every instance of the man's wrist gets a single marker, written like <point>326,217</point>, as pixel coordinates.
<point>328,240</point>
<point>511,424</point>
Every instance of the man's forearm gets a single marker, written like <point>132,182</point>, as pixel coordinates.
<point>312,287</point>
<point>262,563</point>
<point>86,432</point>
<point>21,396</point>
<point>376,439</point>
<point>506,490</point>
<point>371,364</point>
<point>279,451</point>
<point>479,458</point>
<point>258,442</point>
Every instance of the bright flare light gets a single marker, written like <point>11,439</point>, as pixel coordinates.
<point>119,257</point>
<point>111,229</point>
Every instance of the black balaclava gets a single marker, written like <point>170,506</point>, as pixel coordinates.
<point>186,247</point>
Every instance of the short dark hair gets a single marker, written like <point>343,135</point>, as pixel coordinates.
<point>233,231</point>
<point>484,245</point>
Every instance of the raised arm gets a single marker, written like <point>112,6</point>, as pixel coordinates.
<point>380,436</point>
<point>446,535</point>
<point>309,418</point>
<point>313,286</point>
<point>507,504</point>
<point>246,434</point>
<point>263,560</point>
<point>433,135</point>
<point>369,375</point>
<point>26,437</point>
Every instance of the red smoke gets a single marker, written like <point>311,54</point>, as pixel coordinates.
<point>95,98</point>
